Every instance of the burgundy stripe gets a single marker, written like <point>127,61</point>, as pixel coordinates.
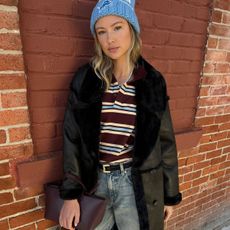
<point>109,157</point>
<point>116,139</point>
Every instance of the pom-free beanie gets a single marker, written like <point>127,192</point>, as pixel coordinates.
<point>122,8</point>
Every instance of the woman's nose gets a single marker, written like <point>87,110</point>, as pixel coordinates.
<point>110,37</point>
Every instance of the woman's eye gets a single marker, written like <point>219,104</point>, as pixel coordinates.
<point>117,28</point>
<point>100,32</point>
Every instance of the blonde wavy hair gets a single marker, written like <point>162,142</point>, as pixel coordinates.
<point>103,65</point>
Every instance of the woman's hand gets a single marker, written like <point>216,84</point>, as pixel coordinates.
<point>168,210</point>
<point>70,212</point>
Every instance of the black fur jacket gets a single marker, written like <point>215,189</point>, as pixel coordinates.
<point>155,164</point>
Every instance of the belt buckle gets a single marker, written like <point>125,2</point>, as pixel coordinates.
<point>103,168</point>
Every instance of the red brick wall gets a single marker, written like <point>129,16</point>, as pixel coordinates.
<point>205,169</point>
<point>56,41</point>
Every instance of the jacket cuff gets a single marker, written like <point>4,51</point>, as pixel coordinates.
<point>71,194</point>
<point>174,200</point>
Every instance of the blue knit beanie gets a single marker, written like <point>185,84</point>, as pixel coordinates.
<point>122,8</point>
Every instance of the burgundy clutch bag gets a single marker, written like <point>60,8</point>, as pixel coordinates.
<point>92,208</point>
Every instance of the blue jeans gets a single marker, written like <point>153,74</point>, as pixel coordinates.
<point>121,208</point>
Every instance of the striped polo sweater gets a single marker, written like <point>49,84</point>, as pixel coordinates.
<point>118,118</point>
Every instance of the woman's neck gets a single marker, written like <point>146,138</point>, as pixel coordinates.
<point>122,71</point>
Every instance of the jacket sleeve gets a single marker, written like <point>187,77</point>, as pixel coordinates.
<point>172,196</point>
<point>70,188</point>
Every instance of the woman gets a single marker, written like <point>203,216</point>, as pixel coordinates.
<point>118,131</point>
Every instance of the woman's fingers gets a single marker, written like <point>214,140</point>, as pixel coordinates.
<point>69,214</point>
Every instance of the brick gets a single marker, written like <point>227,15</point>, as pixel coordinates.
<point>219,30</point>
<point>48,64</point>
<point>204,91</point>
<point>226,18</point>
<point>208,147</point>
<point>9,2</point>
<point>202,165</point>
<point>48,7</point>
<point>194,26</point>
<point>224,143</point>
<point>26,218</point>
<point>5,198</point>
<point>218,160</point>
<point>224,44</point>
<point>48,145</point>
<point>25,192</point>
<point>10,100</point>
<point>216,56</point>
<point>58,26</point>
<point>222,119</point>
<point>216,175</point>
<point>185,186</point>
<point>194,159</point>
<point>49,44</point>
<point>216,16</point>
<point>17,207</point>
<point>19,134</point>
<point>208,101</point>
<point>205,139</point>
<point>190,192</point>
<point>11,62</point>
<point>209,68</point>
<point>218,90</point>
<point>48,99</point>
<point>222,4</point>
<point>28,227</point>
<point>210,169</point>
<point>15,151</point>
<point>225,165</point>
<point>212,42</point>
<point>200,181</point>
<point>215,111</point>
<point>44,130</point>
<point>7,183</point>
<point>84,47</point>
<point>4,224</point>
<point>43,115</point>
<point>10,42</point>
<point>12,81</point>
<point>227,150</point>
<point>45,224</point>
<point>215,80</point>
<point>2,136</point>
<point>213,154</point>
<point>13,117</point>
<point>219,136</point>
<point>9,20</point>
<point>222,68</point>
<point>205,121</point>
<point>4,169</point>
<point>44,81</point>
<point>225,126</point>
<point>192,176</point>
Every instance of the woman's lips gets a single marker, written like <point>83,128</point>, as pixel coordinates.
<point>113,50</point>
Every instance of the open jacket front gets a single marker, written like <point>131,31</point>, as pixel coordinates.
<point>155,165</point>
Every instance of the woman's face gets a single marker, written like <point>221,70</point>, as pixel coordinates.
<point>114,36</point>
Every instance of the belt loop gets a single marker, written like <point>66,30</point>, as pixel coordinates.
<point>122,167</point>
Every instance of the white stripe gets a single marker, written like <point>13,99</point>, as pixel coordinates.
<point>113,132</point>
<point>118,111</point>
<point>117,124</point>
